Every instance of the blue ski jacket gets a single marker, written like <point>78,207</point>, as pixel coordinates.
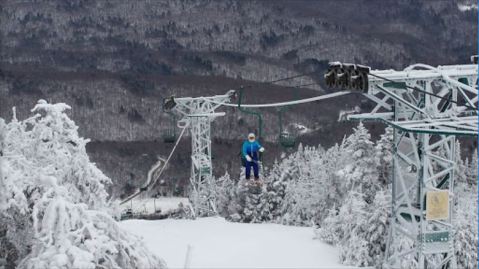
<point>251,149</point>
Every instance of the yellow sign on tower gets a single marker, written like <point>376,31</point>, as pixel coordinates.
<point>437,205</point>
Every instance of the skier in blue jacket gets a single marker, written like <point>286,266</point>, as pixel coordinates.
<point>250,152</point>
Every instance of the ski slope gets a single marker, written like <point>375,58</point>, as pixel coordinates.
<point>216,243</point>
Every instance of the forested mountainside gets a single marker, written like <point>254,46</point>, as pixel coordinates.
<point>114,61</point>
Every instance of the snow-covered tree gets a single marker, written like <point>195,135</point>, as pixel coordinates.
<point>331,230</point>
<point>53,200</point>
<point>297,189</point>
<point>465,210</point>
<point>384,155</point>
<point>403,245</point>
<point>306,194</point>
<point>241,201</point>
<point>358,224</point>
<point>359,172</point>
<point>250,203</point>
<point>226,196</point>
<point>472,168</point>
<point>355,252</point>
<point>265,203</point>
<point>375,232</point>
<point>461,165</point>
<point>359,229</point>
<point>276,182</point>
<point>466,226</point>
<point>69,235</point>
<point>340,224</point>
<point>333,161</point>
<point>255,205</point>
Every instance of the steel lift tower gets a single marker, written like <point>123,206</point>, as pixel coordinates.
<point>428,107</point>
<point>197,113</point>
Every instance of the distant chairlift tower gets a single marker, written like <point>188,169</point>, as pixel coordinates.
<point>197,114</point>
<point>428,107</point>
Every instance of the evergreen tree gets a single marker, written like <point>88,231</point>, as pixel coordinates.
<point>461,166</point>
<point>225,195</point>
<point>359,226</point>
<point>359,229</point>
<point>276,183</point>
<point>375,232</point>
<point>339,225</point>
<point>251,202</point>
<point>360,172</point>
<point>472,168</point>
<point>384,155</point>
<point>53,200</point>
<point>330,230</point>
<point>465,222</point>
<point>256,205</point>
<point>332,163</point>
<point>275,191</point>
<point>305,197</point>
<point>355,252</point>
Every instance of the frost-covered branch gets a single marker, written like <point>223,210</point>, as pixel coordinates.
<point>53,200</point>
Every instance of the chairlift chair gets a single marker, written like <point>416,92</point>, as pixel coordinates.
<point>169,133</point>
<point>287,140</point>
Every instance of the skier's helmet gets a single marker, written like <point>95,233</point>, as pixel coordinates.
<point>251,137</point>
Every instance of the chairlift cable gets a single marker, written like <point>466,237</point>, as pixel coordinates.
<point>291,77</point>
<point>304,85</point>
<point>149,183</point>
<point>288,103</point>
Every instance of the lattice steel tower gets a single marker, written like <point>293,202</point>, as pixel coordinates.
<point>428,107</point>
<point>197,114</point>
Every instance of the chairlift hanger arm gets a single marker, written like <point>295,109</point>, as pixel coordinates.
<point>257,114</point>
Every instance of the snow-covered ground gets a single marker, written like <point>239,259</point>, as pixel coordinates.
<point>216,243</point>
<point>152,205</point>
